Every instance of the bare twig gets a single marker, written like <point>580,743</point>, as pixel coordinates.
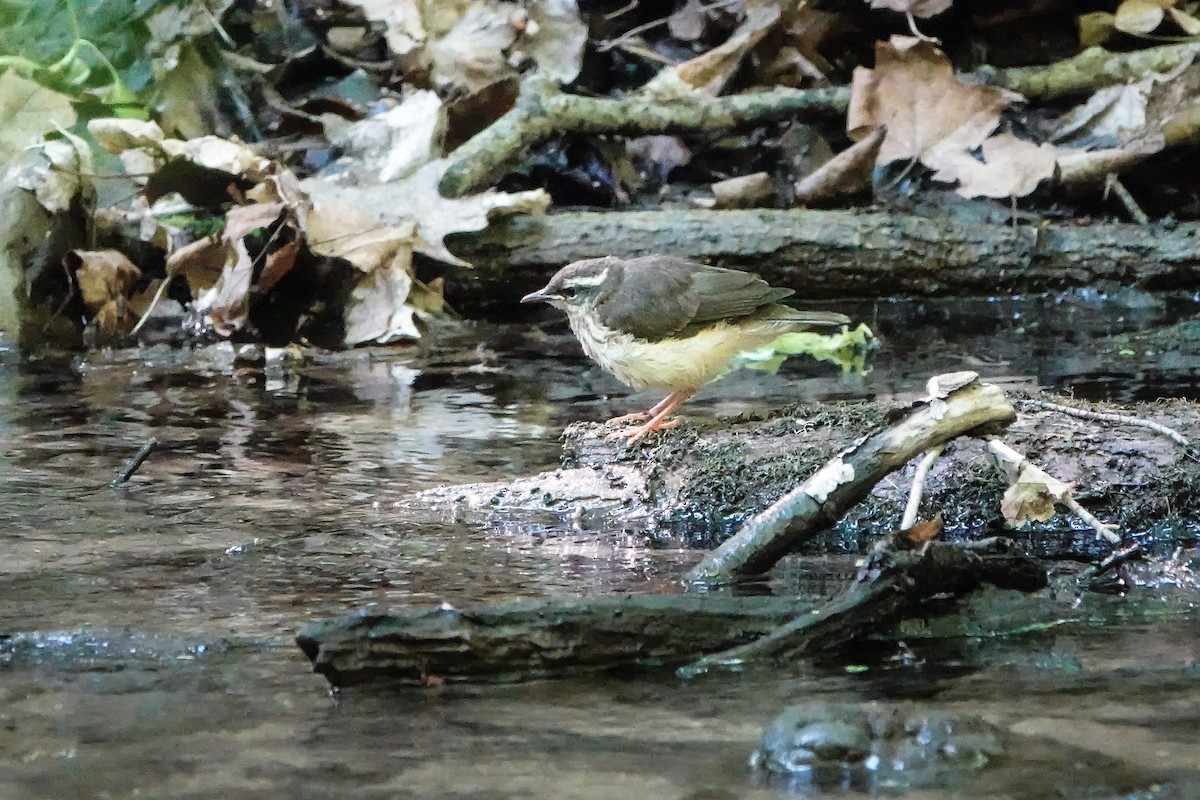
<point>131,466</point>
<point>912,26</point>
<point>1113,559</point>
<point>162,287</point>
<point>1113,184</point>
<point>918,486</point>
<point>1101,528</point>
<point>1120,419</point>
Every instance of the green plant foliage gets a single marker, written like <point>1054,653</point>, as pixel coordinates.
<point>91,51</point>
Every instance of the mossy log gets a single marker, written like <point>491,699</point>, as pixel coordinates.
<point>536,639</point>
<point>824,254</point>
<point>708,476</point>
<point>849,476</point>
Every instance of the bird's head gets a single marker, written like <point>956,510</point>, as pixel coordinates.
<point>577,285</point>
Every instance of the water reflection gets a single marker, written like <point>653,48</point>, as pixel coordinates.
<point>152,624</point>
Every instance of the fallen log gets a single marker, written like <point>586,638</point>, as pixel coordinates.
<point>894,579</point>
<point>828,254</point>
<point>537,639</point>
<point>531,639</point>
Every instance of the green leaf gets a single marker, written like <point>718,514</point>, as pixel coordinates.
<point>847,348</point>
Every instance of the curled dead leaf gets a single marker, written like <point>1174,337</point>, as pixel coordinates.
<point>1140,17</point>
<point>925,530</point>
<point>707,74</point>
<point>1096,28</point>
<point>1031,496</point>
<point>1007,167</point>
<point>105,279</point>
<point>926,110</point>
<point>102,276</point>
<point>847,173</point>
<point>744,191</point>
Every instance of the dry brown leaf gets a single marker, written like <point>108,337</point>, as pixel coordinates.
<point>225,306</point>
<point>472,54</point>
<point>468,43</point>
<point>416,200</point>
<point>404,29</point>
<point>59,173</point>
<point>797,43</point>
<point>243,220</point>
<point>106,279</point>
<point>1096,28</point>
<point>849,172</point>
<point>279,263</point>
<point>220,270</point>
<point>393,144</point>
<point>1010,167</point>
<point>143,148</point>
<point>925,530</point>
<point>555,38</point>
<point>707,74</point>
<point>200,263</point>
<point>378,309</point>
<point>102,276</point>
<point>1186,22</point>
<point>744,191</point>
<point>1031,496</point>
<point>1111,113</point>
<point>918,8</point>
<point>914,93</point>
<point>336,226</point>
<point>1140,17</point>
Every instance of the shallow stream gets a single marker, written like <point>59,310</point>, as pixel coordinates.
<point>146,631</point>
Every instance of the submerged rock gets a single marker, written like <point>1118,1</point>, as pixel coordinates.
<point>872,746</point>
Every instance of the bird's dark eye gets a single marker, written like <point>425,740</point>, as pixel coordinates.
<point>568,291</point>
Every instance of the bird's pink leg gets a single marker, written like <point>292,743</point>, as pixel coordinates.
<point>657,422</point>
<point>642,416</point>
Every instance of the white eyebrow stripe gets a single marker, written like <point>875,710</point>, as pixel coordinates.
<point>589,280</point>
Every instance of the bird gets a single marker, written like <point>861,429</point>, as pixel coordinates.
<point>664,322</point>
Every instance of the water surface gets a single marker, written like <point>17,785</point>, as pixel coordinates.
<point>149,652</point>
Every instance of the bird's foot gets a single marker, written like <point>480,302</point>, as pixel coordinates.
<point>625,419</point>
<point>635,435</point>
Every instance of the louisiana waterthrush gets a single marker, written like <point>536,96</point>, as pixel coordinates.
<point>667,323</point>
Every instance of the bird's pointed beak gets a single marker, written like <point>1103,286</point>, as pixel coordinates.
<point>541,295</point>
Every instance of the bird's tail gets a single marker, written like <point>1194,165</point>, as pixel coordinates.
<point>798,319</point>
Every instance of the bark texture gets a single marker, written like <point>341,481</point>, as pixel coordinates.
<point>825,254</point>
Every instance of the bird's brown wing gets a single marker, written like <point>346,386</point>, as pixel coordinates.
<point>661,296</point>
<point>652,300</point>
<point>728,294</point>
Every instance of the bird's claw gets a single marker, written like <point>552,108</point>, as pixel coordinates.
<point>635,435</point>
<point>624,419</point>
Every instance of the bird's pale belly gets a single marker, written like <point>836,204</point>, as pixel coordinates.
<point>670,364</point>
